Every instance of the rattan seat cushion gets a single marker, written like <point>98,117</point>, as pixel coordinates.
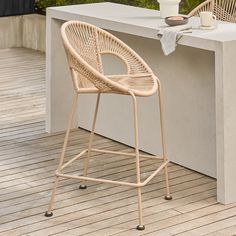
<point>140,85</point>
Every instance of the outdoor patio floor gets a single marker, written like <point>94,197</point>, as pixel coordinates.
<point>29,156</point>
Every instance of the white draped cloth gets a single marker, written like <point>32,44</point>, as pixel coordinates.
<point>170,35</point>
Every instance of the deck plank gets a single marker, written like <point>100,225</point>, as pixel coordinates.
<point>29,156</point>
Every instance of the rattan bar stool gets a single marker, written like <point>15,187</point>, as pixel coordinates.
<point>84,45</point>
<point>224,10</point>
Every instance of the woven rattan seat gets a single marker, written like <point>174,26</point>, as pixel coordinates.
<point>224,10</point>
<point>140,85</point>
<point>84,45</point>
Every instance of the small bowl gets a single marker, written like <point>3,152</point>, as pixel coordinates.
<point>176,20</point>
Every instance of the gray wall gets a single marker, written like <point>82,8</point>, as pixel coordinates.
<point>23,31</point>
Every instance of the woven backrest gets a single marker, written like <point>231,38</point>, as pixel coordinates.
<point>108,44</point>
<point>224,10</point>
<point>84,44</point>
<point>82,40</point>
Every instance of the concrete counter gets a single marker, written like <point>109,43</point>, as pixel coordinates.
<point>198,79</point>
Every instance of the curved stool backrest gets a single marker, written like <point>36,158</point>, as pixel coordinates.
<point>224,10</point>
<point>85,44</point>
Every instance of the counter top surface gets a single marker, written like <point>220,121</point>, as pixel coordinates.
<point>139,21</point>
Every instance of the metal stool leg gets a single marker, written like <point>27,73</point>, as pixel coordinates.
<point>159,94</point>
<point>141,225</point>
<point>72,113</point>
<point>86,161</point>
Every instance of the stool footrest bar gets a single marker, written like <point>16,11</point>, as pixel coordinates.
<point>73,159</point>
<point>113,181</point>
<point>126,154</point>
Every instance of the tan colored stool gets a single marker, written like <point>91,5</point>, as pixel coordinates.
<point>84,44</point>
<point>224,10</point>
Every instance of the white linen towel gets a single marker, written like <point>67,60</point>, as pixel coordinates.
<point>170,35</point>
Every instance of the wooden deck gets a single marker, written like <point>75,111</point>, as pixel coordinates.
<point>29,156</point>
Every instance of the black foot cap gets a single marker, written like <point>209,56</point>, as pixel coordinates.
<point>48,214</point>
<point>168,197</point>
<point>140,227</point>
<point>82,186</point>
